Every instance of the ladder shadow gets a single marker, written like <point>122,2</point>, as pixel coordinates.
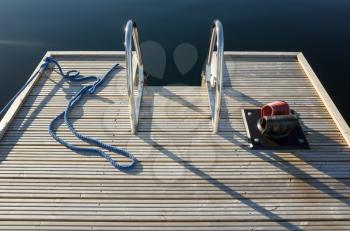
<point>239,139</point>
<point>217,183</point>
<point>317,138</point>
<point>170,95</point>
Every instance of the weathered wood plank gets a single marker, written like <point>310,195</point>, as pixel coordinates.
<point>188,178</point>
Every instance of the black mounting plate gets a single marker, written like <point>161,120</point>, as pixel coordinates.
<point>296,140</point>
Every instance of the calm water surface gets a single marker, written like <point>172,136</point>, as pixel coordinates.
<point>318,28</point>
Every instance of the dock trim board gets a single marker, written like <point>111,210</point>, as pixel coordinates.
<point>86,53</point>
<point>316,83</point>
<point>17,103</point>
<point>12,111</point>
<point>187,176</point>
<point>326,99</point>
<point>262,53</point>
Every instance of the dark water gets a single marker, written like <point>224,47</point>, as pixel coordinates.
<point>318,28</point>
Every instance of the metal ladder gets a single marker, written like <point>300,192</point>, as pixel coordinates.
<point>212,73</point>
<point>134,70</point>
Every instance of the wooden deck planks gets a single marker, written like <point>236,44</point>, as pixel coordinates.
<point>188,178</point>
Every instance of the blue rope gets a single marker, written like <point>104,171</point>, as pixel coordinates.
<point>74,75</point>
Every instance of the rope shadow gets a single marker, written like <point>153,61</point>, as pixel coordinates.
<point>67,93</point>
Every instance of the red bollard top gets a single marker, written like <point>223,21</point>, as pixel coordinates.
<point>275,108</point>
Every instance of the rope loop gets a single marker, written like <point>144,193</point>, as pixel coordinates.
<point>74,75</point>
<point>71,75</point>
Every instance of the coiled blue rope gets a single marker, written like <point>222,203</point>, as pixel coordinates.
<point>73,76</point>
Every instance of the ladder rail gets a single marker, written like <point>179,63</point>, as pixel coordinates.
<point>135,75</point>
<point>213,72</point>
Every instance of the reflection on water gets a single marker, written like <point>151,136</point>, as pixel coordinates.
<point>319,28</point>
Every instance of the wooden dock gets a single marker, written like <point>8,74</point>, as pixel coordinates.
<point>188,178</point>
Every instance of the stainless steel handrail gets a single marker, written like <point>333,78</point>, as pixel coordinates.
<point>135,76</point>
<point>214,72</point>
